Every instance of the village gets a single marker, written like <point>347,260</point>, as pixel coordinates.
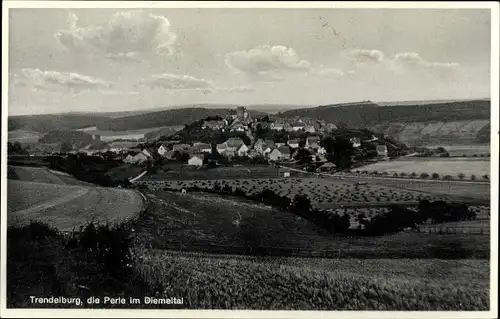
<point>245,127</point>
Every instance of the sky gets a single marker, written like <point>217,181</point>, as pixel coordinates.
<point>106,60</point>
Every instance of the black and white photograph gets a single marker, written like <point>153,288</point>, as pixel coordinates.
<point>249,159</point>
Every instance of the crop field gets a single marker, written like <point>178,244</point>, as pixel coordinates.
<point>69,206</point>
<point>323,193</point>
<point>42,175</point>
<point>25,137</point>
<point>443,167</point>
<point>176,172</point>
<point>463,190</point>
<point>213,282</point>
<point>467,150</point>
<point>224,224</point>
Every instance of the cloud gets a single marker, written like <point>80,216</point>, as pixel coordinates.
<point>170,81</point>
<point>125,35</point>
<point>365,56</point>
<point>238,89</point>
<point>415,61</point>
<point>53,80</point>
<point>267,63</point>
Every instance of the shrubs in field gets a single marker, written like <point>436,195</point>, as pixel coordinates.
<point>424,175</point>
<point>94,259</point>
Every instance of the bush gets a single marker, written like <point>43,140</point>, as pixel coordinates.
<point>413,174</point>
<point>486,177</point>
<point>424,175</point>
<point>403,174</point>
<point>473,177</point>
<point>447,177</point>
<point>395,175</point>
<point>461,175</point>
<point>435,175</point>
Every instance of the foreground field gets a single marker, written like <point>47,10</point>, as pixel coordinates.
<point>323,192</point>
<point>42,175</point>
<point>41,261</point>
<point>314,284</point>
<point>451,166</point>
<point>67,207</point>
<point>211,223</point>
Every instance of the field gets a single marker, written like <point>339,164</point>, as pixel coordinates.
<point>108,136</point>
<point>443,167</point>
<point>39,194</point>
<point>42,175</point>
<point>317,284</point>
<point>24,137</point>
<point>224,224</point>
<point>467,150</point>
<point>462,190</point>
<point>180,172</point>
<point>323,192</point>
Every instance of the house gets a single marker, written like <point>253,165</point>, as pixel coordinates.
<point>270,143</point>
<point>237,126</point>
<point>280,153</point>
<point>202,147</point>
<point>228,153</point>
<point>330,127</point>
<point>321,150</point>
<point>169,154</point>
<point>279,144</point>
<point>147,152</point>
<point>196,160</point>
<point>121,146</point>
<point>162,150</point>
<point>221,147</point>
<point>298,126</point>
<point>214,125</point>
<point>310,128</point>
<point>267,150</point>
<point>356,142</point>
<point>312,142</point>
<point>259,145</point>
<point>233,143</point>
<point>287,127</point>
<point>243,115</point>
<point>242,150</point>
<point>382,150</point>
<point>294,143</point>
<point>140,158</point>
<point>129,159</point>
<point>253,153</point>
<point>328,166</point>
<point>277,126</point>
<point>182,148</point>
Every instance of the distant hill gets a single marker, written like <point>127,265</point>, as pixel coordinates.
<point>367,114</point>
<point>173,117</point>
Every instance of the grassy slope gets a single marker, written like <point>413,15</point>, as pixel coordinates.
<point>198,222</point>
<point>298,284</point>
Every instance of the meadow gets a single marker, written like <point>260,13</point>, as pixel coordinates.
<point>69,206</point>
<point>450,166</point>
<point>323,192</point>
<point>467,150</point>
<point>211,282</point>
<point>225,224</point>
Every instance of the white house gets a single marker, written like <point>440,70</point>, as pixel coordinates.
<point>356,142</point>
<point>140,158</point>
<point>298,126</point>
<point>196,160</point>
<point>129,159</point>
<point>310,128</point>
<point>312,142</point>
<point>321,150</point>
<point>203,147</point>
<point>242,150</point>
<point>279,153</point>
<point>259,146</point>
<point>267,150</point>
<point>233,143</point>
<point>382,150</point>
<point>277,126</point>
<point>162,150</point>
<point>294,143</point>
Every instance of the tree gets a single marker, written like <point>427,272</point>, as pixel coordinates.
<point>181,156</point>
<point>303,156</point>
<point>339,151</point>
<point>65,147</point>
